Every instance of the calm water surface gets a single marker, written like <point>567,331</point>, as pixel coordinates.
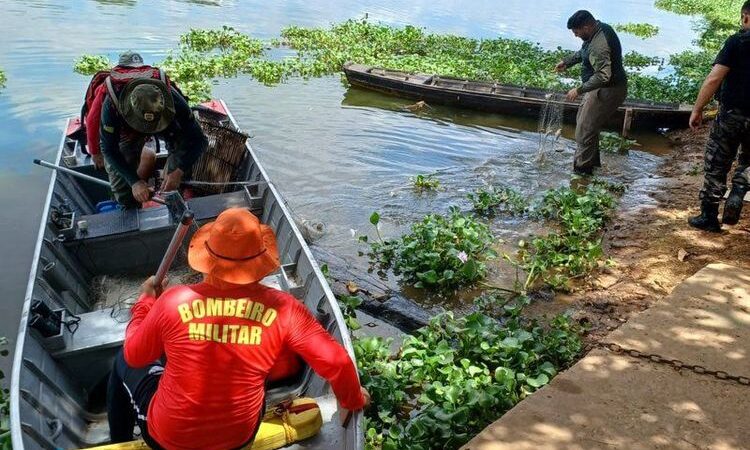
<point>337,154</point>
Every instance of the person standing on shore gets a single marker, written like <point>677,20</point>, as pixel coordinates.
<point>604,87</point>
<point>731,73</point>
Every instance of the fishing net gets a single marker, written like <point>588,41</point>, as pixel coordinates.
<point>222,159</point>
<point>118,293</point>
<point>550,126</point>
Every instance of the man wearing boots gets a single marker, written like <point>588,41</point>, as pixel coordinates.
<point>731,73</point>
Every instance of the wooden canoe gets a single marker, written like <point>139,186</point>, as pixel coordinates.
<point>508,99</point>
<point>57,387</point>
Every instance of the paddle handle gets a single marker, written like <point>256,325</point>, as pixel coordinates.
<point>174,245</point>
<point>83,176</point>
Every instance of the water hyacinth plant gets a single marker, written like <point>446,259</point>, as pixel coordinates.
<point>489,199</point>
<point>90,64</point>
<point>456,375</point>
<point>615,143</point>
<point>3,79</point>
<point>641,30</point>
<point>440,252</point>
<point>422,183</point>
<point>573,251</point>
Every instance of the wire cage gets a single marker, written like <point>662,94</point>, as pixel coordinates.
<point>222,160</point>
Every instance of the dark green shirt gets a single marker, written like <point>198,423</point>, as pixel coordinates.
<point>601,58</point>
<point>184,132</point>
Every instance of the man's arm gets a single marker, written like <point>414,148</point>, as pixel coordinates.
<point>109,143</point>
<point>711,84</point>
<point>193,142</point>
<point>326,356</point>
<point>143,337</point>
<point>572,59</point>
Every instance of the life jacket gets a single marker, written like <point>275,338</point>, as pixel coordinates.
<point>109,83</point>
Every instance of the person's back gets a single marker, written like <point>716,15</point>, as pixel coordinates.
<point>221,339</point>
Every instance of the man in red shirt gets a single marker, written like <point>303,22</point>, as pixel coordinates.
<point>221,339</point>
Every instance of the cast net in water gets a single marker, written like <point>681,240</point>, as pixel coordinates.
<point>550,127</point>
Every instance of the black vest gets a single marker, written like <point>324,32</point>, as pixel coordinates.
<point>618,71</point>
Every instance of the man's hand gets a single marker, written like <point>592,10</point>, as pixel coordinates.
<point>172,181</point>
<point>572,95</point>
<point>150,288</point>
<point>141,192</point>
<point>560,67</point>
<point>696,119</point>
<point>98,160</point>
<point>366,395</point>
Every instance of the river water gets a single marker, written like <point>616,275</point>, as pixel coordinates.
<point>337,154</point>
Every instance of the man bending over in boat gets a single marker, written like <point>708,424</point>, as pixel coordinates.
<point>131,113</point>
<point>221,338</point>
<point>605,85</point>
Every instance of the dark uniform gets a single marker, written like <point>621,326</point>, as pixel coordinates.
<point>122,146</point>
<point>732,126</point>
<point>605,86</point>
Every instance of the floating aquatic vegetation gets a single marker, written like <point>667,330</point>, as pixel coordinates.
<point>3,79</point>
<point>641,30</point>
<point>422,183</point>
<point>90,64</point>
<point>456,375</point>
<point>440,252</point>
<point>635,60</point>
<point>615,143</point>
<point>489,199</point>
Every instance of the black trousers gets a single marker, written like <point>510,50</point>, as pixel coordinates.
<point>129,394</point>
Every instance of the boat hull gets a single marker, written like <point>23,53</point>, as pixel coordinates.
<point>507,99</point>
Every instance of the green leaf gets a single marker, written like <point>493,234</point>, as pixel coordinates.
<point>538,381</point>
<point>375,218</point>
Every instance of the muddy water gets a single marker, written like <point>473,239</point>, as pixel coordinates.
<point>337,154</point>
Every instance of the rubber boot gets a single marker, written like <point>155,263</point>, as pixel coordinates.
<point>708,219</point>
<point>733,206</point>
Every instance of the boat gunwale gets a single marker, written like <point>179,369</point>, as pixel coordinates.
<point>16,429</point>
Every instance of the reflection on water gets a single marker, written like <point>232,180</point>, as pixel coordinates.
<point>336,154</point>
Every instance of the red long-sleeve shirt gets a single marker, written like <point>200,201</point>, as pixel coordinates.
<point>220,346</point>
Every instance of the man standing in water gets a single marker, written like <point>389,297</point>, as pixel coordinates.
<point>604,87</point>
<point>731,72</point>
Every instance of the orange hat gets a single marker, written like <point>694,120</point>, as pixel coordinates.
<point>235,248</point>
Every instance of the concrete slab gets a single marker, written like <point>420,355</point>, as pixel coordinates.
<point>705,320</point>
<point>609,401</point>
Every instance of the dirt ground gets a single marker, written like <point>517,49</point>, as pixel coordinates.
<point>652,246</point>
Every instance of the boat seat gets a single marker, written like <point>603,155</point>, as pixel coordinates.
<point>210,206</point>
<point>97,330</point>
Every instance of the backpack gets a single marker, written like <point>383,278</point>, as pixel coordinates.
<point>109,83</point>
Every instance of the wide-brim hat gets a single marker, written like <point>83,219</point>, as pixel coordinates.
<point>235,248</point>
<point>146,105</point>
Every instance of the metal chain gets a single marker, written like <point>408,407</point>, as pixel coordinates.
<point>675,363</point>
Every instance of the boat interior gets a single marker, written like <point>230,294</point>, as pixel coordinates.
<point>492,88</point>
<point>90,262</point>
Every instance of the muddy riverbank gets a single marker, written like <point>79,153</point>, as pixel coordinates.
<point>651,246</point>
